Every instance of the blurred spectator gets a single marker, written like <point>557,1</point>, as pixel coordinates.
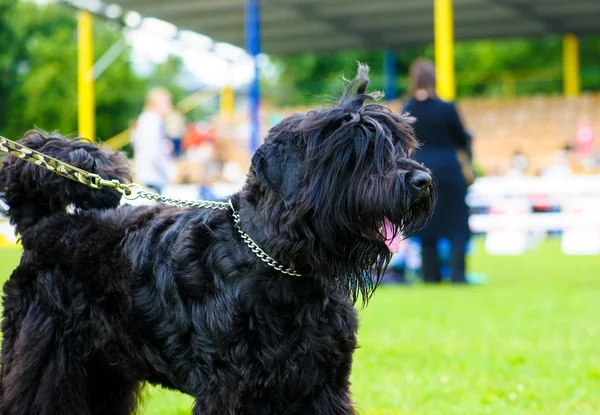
<point>199,144</point>
<point>585,142</point>
<point>559,165</point>
<point>441,132</point>
<point>518,164</point>
<point>175,128</point>
<point>153,161</point>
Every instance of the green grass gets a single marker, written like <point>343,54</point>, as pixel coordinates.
<point>528,342</point>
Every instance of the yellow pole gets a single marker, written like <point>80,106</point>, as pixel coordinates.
<point>444,49</point>
<point>571,74</point>
<point>227,103</point>
<point>85,62</point>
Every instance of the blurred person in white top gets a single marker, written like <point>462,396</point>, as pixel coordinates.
<point>153,163</point>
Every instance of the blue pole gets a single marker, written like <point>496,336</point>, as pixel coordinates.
<point>253,49</point>
<point>389,69</point>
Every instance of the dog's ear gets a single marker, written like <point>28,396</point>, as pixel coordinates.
<point>279,167</point>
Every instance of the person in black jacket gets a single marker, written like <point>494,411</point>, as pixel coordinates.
<point>442,134</point>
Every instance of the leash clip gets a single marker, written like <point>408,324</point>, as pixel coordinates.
<point>128,191</point>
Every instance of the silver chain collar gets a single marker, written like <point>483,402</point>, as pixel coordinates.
<point>206,204</point>
<point>256,249</point>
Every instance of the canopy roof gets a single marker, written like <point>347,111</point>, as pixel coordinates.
<point>297,26</point>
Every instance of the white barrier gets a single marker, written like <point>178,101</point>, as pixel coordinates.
<point>535,222</point>
<point>510,219</point>
<point>510,200</point>
<point>514,186</point>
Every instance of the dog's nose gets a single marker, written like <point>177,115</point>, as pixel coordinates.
<point>420,180</point>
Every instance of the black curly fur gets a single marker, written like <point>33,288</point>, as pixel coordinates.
<point>33,193</point>
<point>106,298</point>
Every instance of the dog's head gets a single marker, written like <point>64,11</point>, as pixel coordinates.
<point>343,181</point>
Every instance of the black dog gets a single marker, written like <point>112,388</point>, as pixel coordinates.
<point>107,297</point>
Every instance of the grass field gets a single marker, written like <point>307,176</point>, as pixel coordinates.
<point>527,342</point>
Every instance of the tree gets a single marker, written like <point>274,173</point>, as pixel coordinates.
<point>483,67</point>
<point>44,93</point>
<point>317,79</point>
<point>590,63</point>
<point>8,66</point>
<point>40,90</point>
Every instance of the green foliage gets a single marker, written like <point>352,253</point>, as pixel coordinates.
<point>483,67</point>
<point>590,62</point>
<point>8,68</point>
<point>38,73</point>
<point>317,79</point>
<point>526,343</point>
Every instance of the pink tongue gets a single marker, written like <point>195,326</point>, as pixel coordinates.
<point>393,242</point>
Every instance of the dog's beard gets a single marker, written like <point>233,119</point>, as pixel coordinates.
<point>367,259</point>
<point>418,212</point>
<point>364,228</point>
<point>363,273</point>
<point>415,210</point>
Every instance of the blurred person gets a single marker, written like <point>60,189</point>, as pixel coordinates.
<point>213,169</point>
<point>175,129</point>
<point>153,160</point>
<point>559,165</point>
<point>518,164</point>
<point>584,142</point>
<point>444,140</point>
<point>191,137</point>
<point>199,144</point>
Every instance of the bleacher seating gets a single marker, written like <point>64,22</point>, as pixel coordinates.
<point>537,126</point>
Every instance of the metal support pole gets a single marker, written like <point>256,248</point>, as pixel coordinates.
<point>571,72</point>
<point>85,81</point>
<point>109,57</point>
<point>389,68</point>
<point>444,49</point>
<point>253,48</point>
